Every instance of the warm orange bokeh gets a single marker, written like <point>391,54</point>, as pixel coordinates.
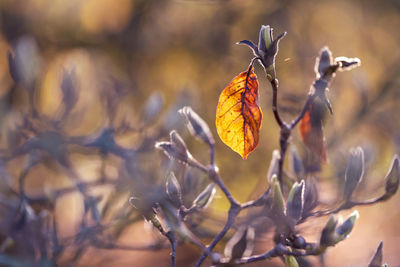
<point>132,58</point>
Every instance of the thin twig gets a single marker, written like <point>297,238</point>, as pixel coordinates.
<point>172,239</point>
<point>274,84</point>
<point>233,212</point>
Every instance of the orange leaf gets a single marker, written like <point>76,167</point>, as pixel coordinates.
<point>238,114</point>
<point>311,129</point>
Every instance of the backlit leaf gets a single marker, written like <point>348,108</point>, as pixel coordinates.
<point>311,129</point>
<point>238,114</point>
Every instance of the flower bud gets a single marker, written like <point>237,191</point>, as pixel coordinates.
<point>344,230</point>
<point>205,197</point>
<point>152,107</point>
<point>278,202</point>
<point>266,50</point>
<point>26,62</point>
<point>196,125</point>
<point>328,233</point>
<point>310,196</point>
<point>323,62</point>
<point>173,189</point>
<point>175,148</point>
<point>377,259</point>
<point>295,201</point>
<point>267,46</point>
<point>274,165</point>
<point>265,39</point>
<point>354,171</point>
<point>296,163</point>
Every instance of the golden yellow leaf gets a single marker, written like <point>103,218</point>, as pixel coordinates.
<point>238,114</point>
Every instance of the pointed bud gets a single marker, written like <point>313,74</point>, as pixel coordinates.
<point>265,39</point>
<point>392,178</point>
<point>173,189</point>
<point>278,202</point>
<point>328,233</point>
<point>377,259</point>
<point>344,230</point>
<point>241,244</point>
<point>178,142</point>
<point>296,164</point>
<point>175,148</point>
<point>354,171</point>
<point>295,201</point>
<point>205,197</point>
<point>147,210</point>
<point>152,107</point>
<point>274,165</point>
<point>323,62</point>
<point>26,62</point>
<point>268,47</point>
<point>196,125</point>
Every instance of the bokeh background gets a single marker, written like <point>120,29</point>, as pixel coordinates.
<point>136,62</point>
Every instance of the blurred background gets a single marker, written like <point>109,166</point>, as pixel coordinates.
<point>94,84</point>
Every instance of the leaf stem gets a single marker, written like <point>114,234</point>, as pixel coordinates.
<point>309,100</point>
<point>274,84</point>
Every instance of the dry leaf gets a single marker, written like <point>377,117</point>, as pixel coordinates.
<point>311,129</point>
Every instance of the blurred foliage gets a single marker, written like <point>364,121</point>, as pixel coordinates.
<point>128,58</point>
